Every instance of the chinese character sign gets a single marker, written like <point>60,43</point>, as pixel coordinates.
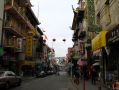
<point>29,44</point>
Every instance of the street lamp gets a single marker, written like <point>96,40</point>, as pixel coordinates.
<point>53,41</point>
<point>64,40</point>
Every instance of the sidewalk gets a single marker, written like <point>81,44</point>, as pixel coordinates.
<point>88,85</point>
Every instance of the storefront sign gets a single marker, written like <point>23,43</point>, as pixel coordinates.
<point>113,35</point>
<point>29,45</point>
<point>99,41</point>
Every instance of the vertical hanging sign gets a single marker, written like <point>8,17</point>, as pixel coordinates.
<point>29,44</point>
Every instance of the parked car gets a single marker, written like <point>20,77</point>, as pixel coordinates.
<point>9,78</point>
<point>40,74</point>
<point>49,72</point>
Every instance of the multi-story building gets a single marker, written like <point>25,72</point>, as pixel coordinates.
<point>13,28</point>
<point>79,32</point>
<point>107,16</point>
<point>46,51</point>
<point>39,47</point>
<point>19,33</point>
<point>85,29</point>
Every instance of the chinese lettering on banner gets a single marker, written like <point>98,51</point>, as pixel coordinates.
<point>29,45</point>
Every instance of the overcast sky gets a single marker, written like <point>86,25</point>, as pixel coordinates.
<point>56,17</point>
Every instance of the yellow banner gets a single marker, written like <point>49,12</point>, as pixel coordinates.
<point>33,31</point>
<point>99,41</point>
<point>29,45</point>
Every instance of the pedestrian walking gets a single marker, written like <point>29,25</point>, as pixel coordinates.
<point>76,75</point>
<point>94,75</point>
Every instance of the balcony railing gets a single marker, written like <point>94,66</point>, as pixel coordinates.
<point>13,27</point>
<point>18,12</point>
<point>10,42</point>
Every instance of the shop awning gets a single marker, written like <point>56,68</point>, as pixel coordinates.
<point>99,41</point>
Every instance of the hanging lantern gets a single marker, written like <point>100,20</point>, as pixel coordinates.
<point>53,39</point>
<point>64,40</point>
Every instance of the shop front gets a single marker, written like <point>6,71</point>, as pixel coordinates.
<point>113,52</point>
<point>27,67</point>
<point>99,53</point>
<point>8,60</point>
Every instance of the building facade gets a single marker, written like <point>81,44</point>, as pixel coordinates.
<point>107,17</point>
<point>1,24</point>
<point>20,34</point>
<point>1,18</point>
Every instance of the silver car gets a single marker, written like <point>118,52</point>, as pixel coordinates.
<point>9,78</point>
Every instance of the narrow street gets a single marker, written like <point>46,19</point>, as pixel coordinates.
<point>55,82</point>
<point>59,44</point>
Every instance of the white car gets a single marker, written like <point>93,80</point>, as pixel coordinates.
<point>9,78</point>
<point>41,74</point>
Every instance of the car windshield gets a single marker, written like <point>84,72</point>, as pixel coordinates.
<point>1,73</point>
